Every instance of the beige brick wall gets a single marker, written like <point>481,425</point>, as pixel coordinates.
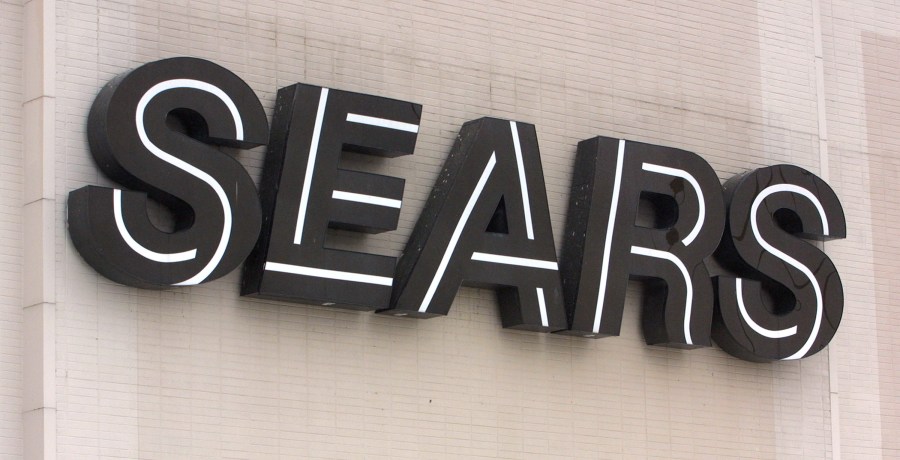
<point>202,373</point>
<point>862,54</point>
<point>10,229</point>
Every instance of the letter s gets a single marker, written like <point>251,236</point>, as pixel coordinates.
<point>790,303</point>
<point>151,130</point>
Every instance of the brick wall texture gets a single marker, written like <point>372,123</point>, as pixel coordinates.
<point>11,195</point>
<point>202,373</point>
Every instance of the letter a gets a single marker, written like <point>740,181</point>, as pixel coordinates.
<point>486,224</point>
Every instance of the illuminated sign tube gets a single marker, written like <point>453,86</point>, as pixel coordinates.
<point>636,212</point>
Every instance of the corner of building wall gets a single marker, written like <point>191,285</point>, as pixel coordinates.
<point>39,203</point>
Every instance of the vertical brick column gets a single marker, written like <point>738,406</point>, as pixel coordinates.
<point>39,296</point>
<point>821,116</point>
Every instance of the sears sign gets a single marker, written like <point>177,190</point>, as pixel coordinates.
<point>155,131</point>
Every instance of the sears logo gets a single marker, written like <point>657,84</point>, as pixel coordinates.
<point>636,211</point>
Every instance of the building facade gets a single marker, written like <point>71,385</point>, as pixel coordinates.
<point>90,368</point>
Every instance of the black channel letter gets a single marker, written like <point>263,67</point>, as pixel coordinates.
<point>606,245</point>
<point>789,300</point>
<point>152,131</point>
<point>487,224</point>
<point>304,192</point>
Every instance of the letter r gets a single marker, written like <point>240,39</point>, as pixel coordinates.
<point>617,182</point>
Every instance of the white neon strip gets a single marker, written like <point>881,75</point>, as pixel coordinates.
<point>542,304</point>
<point>790,188</point>
<point>187,167</point>
<point>611,222</point>
<point>520,261</point>
<point>738,284</point>
<point>382,123</point>
<point>330,274</point>
<point>790,260</point>
<point>310,166</point>
<point>451,246</point>
<point>520,164</point>
<point>367,199</point>
<point>686,176</point>
<point>689,300</point>
<point>137,247</point>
